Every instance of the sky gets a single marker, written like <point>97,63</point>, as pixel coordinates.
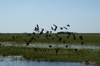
<point>18,16</point>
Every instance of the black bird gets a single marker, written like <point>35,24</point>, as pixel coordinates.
<point>13,37</point>
<point>50,46</point>
<point>69,33</point>
<point>56,50</point>
<point>76,50</point>
<point>50,31</point>
<point>82,43</point>
<point>60,39</point>
<point>47,32</point>
<point>68,25</point>
<point>51,28</point>
<point>66,46</point>
<point>29,34</point>
<point>61,28</point>
<point>55,27</point>
<point>81,37</point>
<point>41,32</point>
<point>27,44</point>
<point>65,28</point>
<point>33,33</point>
<point>0,44</point>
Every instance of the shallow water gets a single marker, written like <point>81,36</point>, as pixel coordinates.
<point>53,46</point>
<point>8,61</point>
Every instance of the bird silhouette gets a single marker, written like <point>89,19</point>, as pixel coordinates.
<point>61,28</point>
<point>56,50</point>
<point>50,46</point>
<point>55,27</point>
<point>13,37</point>
<point>51,28</point>
<point>41,31</point>
<point>65,28</point>
<point>82,43</point>
<point>76,50</point>
<point>66,46</point>
<point>68,25</point>
<point>81,37</point>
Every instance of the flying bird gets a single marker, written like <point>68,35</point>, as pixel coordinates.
<point>55,27</point>
<point>68,25</point>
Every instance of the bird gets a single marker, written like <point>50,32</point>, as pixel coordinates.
<point>65,28</point>
<point>0,44</point>
<point>76,50</point>
<point>68,25</point>
<point>66,46</point>
<point>81,37</point>
<point>61,28</point>
<point>47,32</point>
<point>60,39</point>
<point>56,50</point>
<point>33,33</point>
<point>13,37</point>
<point>51,28</point>
<point>41,31</point>
<point>29,34</point>
<point>82,43</point>
<point>74,36</point>
<point>27,44</point>
<point>55,27</point>
<point>50,46</point>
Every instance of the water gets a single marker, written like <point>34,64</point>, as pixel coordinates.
<point>53,46</point>
<point>9,61</point>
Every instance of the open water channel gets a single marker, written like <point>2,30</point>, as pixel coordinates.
<point>19,61</point>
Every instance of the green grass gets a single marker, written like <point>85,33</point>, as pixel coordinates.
<point>89,39</point>
<point>46,54</point>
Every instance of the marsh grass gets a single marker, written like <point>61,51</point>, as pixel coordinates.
<point>47,54</point>
<point>89,39</point>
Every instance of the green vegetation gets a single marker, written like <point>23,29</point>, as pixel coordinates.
<point>47,54</point>
<point>89,39</point>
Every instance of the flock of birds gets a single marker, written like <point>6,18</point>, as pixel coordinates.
<point>40,31</point>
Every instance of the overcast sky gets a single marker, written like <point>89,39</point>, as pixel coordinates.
<point>18,16</point>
